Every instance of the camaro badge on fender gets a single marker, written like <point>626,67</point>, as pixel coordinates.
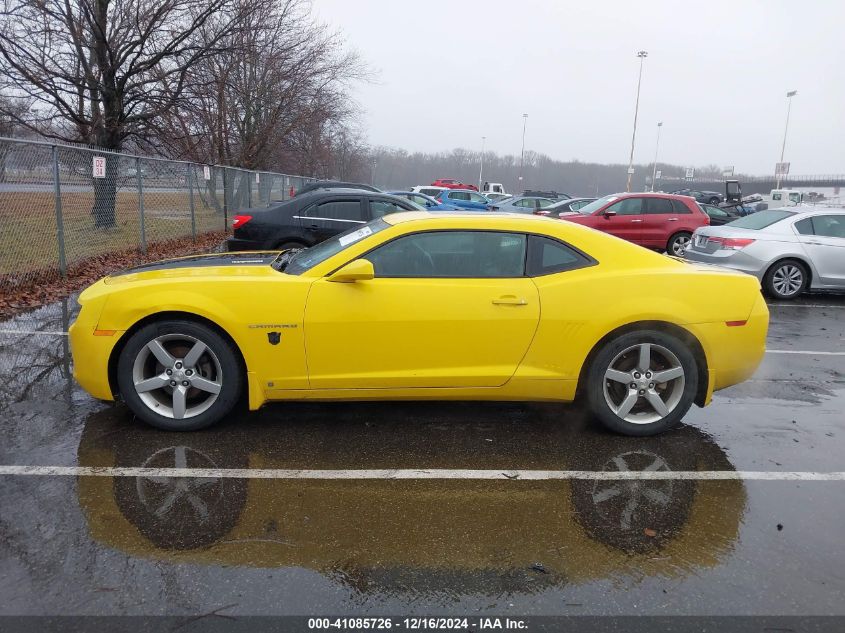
<point>274,337</point>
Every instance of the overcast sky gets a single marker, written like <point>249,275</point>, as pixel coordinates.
<point>717,72</point>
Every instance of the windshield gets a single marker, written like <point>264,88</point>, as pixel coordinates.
<point>310,257</point>
<point>594,206</point>
<point>760,220</point>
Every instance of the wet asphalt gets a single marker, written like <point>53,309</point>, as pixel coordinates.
<point>163,546</point>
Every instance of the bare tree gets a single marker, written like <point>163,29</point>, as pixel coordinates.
<point>273,99</point>
<point>102,71</point>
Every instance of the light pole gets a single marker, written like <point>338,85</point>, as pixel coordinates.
<point>789,96</point>
<point>522,158</point>
<point>642,55</point>
<point>481,168</point>
<point>373,173</point>
<point>656,147</point>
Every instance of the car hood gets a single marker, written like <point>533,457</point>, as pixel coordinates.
<point>215,264</point>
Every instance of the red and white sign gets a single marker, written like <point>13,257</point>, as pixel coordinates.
<point>99,167</point>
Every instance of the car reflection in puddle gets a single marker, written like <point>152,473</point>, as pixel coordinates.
<point>407,537</point>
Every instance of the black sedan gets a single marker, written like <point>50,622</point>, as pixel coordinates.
<point>718,216</point>
<point>707,197</point>
<point>564,206</point>
<point>310,218</point>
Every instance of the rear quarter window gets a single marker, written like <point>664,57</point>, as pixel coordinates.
<point>761,219</point>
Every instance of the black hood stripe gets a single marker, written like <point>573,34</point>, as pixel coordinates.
<point>204,261</point>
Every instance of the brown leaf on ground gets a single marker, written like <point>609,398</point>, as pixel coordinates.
<point>21,294</point>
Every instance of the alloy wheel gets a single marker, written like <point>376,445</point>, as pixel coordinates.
<point>788,280</point>
<point>680,244</point>
<point>644,383</point>
<point>177,376</point>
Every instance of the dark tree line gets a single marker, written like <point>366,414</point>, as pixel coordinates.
<point>396,168</point>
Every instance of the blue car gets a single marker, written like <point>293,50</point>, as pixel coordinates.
<point>426,202</point>
<point>464,198</point>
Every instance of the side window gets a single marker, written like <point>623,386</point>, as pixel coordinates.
<point>378,208</point>
<point>339,210</point>
<point>547,256</point>
<point>628,206</point>
<point>455,254</point>
<point>661,206</point>
<point>679,207</point>
<point>459,195</point>
<point>477,197</point>
<point>574,206</point>
<point>829,225</point>
<point>777,196</point>
<point>544,202</point>
<point>524,204</point>
<point>805,226</point>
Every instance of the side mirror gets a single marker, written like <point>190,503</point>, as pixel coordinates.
<point>609,213</point>
<point>356,270</point>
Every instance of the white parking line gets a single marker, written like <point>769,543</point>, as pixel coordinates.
<point>804,352</point>
<point>805,305</point>
<point>33,332</point>
<point>390,474</point>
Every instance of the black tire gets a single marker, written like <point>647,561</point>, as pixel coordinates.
<point>673,247</point>
<point>596,389</point>
<point>230,375</point>
<point>714,201</point>
<point>781,271</point>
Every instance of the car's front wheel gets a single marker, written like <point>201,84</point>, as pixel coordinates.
<point>642,383</point>
<point>714,201</point>
<point>179,375</point>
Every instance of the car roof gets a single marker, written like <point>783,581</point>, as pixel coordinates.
<point>456,216</point>
<point>812,210</point>
<point>649,194</point>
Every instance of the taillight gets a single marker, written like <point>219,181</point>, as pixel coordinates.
<point>239,220</point>
<point>731,243</point>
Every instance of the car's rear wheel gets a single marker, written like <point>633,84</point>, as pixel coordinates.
<point>678,244</point>
<point>642,383</point>
<point>179,375</point>
<point>714,201</point>
<point>786,279</point>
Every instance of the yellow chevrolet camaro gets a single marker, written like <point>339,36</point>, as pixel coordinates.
<point>417,306</point>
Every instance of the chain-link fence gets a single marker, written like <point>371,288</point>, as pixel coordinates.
<point>61,205</point>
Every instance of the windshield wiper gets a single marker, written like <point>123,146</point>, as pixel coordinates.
<point>284,258</point>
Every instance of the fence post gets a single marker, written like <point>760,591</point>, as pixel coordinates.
<point>191,197</point>
<point>60,225</point>
<point>248,189</point>
<point>225,200</point>
<point>140,178</point>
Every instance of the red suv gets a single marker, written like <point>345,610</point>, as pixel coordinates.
<point>451,183</point>
<point>653,220</point>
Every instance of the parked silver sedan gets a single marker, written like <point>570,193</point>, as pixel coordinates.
<point>521,204</point>
<point>788,250</point>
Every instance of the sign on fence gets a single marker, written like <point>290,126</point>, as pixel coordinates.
<point>99,168</point>
<point>206,172</point>
<point>257,178</point>
<point>690,174</point>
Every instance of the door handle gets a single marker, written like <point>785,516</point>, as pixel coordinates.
<point>672,220</point>
<point>313,227</point>
<point>510,300</point>
<point>636,220</point>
